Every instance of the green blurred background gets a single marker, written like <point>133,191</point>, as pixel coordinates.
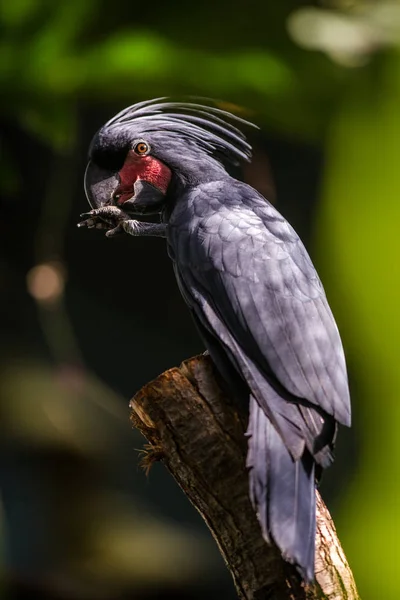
<point>86,321</point>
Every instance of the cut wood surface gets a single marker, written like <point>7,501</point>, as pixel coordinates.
<point>199,434</point>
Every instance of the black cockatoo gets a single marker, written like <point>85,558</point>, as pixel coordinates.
<point>252,290</point>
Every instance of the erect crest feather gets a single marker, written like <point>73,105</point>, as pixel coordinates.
<point>211,128</point>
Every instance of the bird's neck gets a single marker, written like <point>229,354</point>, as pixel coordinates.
<point>187,199</point>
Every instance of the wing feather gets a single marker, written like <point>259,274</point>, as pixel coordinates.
<point>255,273</point>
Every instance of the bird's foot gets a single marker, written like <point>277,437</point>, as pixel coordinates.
<point>115,221</point>
<point>110,218</point>
<point>151,453</point>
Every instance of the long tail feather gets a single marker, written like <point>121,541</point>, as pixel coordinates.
<point>282,491</point>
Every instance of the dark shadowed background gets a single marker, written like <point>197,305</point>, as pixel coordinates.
<point>86,321</point>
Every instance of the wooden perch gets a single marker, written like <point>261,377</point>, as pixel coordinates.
<point>200,436</point>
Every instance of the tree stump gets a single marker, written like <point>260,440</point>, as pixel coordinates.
<point>199,434</point>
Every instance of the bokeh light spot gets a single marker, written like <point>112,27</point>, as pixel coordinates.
<point>46,282</point>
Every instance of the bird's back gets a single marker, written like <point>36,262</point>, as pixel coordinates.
<point>255,272</point>
<point>263,315</point>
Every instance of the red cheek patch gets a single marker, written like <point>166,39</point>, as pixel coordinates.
<point>146,168</point>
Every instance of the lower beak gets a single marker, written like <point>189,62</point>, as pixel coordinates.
<point>145,198</point>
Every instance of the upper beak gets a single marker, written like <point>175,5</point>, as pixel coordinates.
<point>100,185</point>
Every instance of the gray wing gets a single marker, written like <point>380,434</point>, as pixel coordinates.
<point>247,266</point>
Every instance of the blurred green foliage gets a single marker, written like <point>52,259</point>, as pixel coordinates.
<point>57,57</point>
<point>51,56</point>
<point>360,216</point>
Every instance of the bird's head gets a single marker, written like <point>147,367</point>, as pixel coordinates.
<point>154,146</point>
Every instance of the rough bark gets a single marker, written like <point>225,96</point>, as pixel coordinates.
<point>199,434</point>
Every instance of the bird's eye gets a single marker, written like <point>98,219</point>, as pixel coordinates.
<point>141,148</point>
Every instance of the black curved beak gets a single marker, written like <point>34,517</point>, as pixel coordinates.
<point>100,185</point>
<point>102,188</point>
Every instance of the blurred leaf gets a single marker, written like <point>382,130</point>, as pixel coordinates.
<point>129,545</point>
<point>45,71</point>
<point>360,226</point>
<point>65,408</point>
<point>54,124</point>
<point>132,53</point>
<point>14,14</point>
